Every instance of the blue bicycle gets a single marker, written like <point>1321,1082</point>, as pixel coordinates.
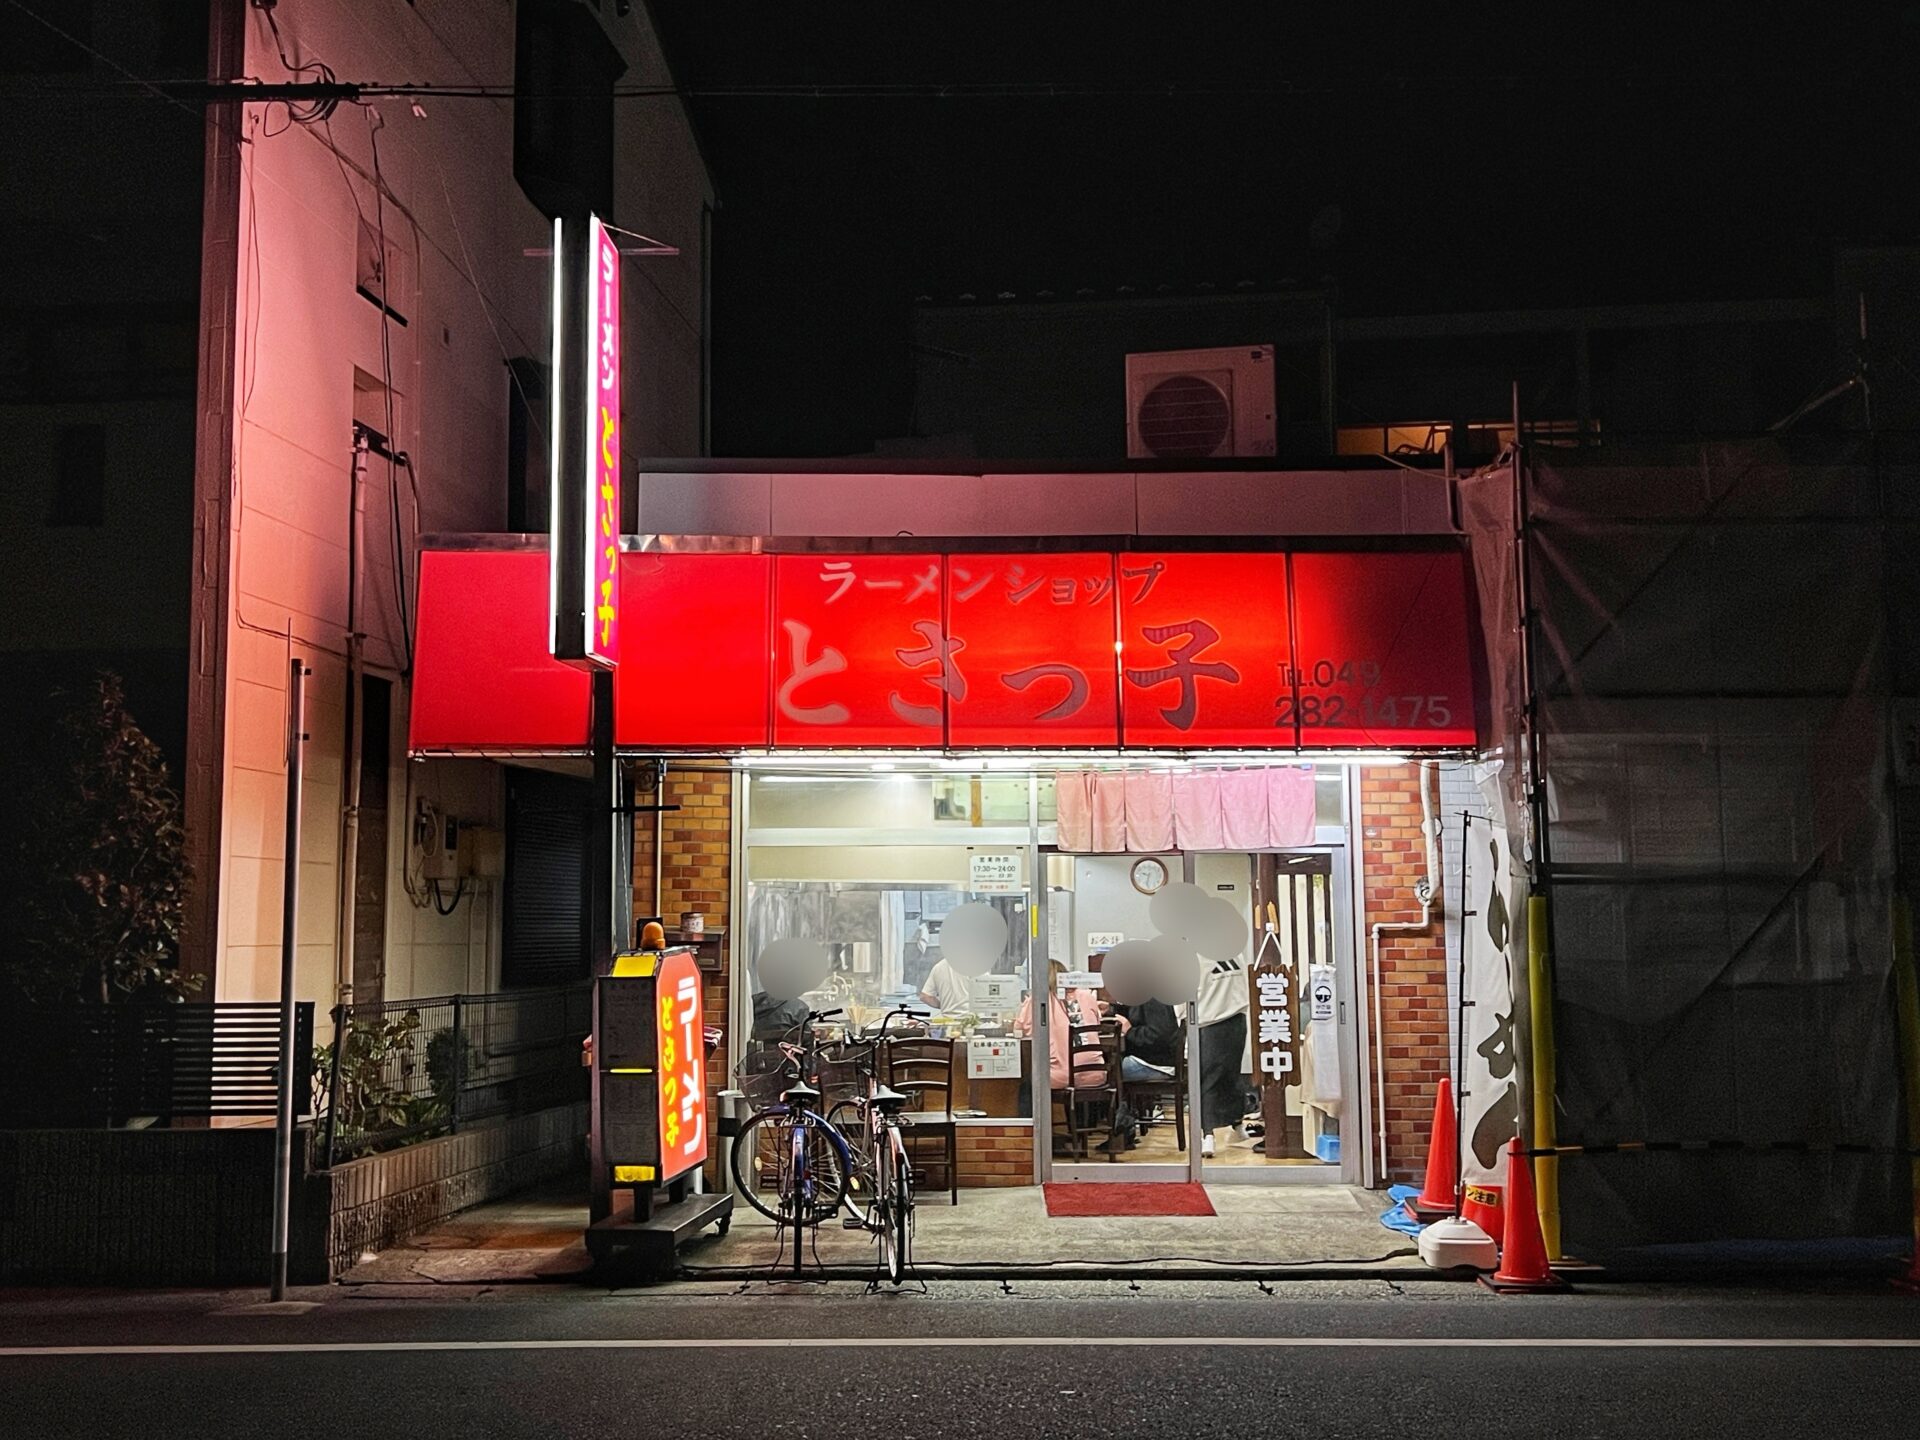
<point>789,1163</point>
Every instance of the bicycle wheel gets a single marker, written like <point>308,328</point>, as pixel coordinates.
<point>850,1121</point>
<point>896,1243</point>
<point>762,1164</point>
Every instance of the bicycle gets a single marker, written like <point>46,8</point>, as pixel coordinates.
<point>812,1159</point>
<point>883,1170</point>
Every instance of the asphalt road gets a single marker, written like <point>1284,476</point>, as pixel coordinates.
<point>1206,1359</point>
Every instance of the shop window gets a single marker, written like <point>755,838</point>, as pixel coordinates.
<point>1329,795</point>
<point>879,911</point>
<point>889,800</point>
<point>80,478</point>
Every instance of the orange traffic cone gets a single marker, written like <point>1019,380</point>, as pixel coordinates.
<point>1523,1253</point>
<point>1443,1160</point>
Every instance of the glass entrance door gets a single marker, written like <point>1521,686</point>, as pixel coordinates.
<point>1120,1105</point>
<point>1293,1072</point>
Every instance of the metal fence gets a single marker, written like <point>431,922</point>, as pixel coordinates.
<point>404,1070</point>
<point>84,1066</point>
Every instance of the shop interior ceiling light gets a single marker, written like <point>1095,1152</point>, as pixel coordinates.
<point>858,762</point>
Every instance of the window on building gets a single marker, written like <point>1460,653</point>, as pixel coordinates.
<point>375,407</point>
<point>380,272</point>
<point>80,477</point>
<point>544,917</point>
<point>529,487</point>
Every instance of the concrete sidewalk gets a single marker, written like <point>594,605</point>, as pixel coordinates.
<point>1322,1229</point>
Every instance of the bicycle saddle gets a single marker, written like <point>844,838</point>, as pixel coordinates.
<point>887,1098</point>
<point>802,1092</point>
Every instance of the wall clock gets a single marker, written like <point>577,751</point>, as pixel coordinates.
<point>1149,875</point>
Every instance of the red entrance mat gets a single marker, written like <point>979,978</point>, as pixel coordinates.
<point>1137,1198</point>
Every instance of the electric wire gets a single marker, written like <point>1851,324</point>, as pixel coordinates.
<point>1051,90</point>
<point>316,110</point>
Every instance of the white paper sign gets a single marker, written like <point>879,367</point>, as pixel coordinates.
<point>1100,941</point>
<point>994,994</point>
<point>1320,993</point>
<point>991,872</point>
<point>1080,980</point>
<point>989,1059</point>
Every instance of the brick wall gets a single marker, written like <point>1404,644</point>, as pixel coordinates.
<point>378,1201</point>
<point>995,1155</point>
<point>696,873</point>
<point>1413,963</point>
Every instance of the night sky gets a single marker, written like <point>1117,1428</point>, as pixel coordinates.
<point>1500,160</point>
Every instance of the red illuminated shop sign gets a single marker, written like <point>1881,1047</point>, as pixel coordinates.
<point>1146,650</point>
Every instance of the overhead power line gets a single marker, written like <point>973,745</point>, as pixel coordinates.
<point>321,92</point>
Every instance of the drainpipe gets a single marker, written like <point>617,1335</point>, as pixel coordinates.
<point>659,832</point>
<point>354,718</point>
<point>1423,890</point>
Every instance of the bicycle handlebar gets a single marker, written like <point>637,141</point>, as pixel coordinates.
<point>875,1037</point>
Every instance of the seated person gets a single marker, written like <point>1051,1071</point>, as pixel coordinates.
<point>777,1020</point>
<point>1077,1009</point>
<point>1151,1044</point>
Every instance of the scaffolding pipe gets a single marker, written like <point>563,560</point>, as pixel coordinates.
<point>1546,1177</point>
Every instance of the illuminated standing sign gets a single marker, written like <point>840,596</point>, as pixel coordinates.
<point>603,446</point>
<point>584,584</point>
<point>682,1095</point>
<point>649,1048</point>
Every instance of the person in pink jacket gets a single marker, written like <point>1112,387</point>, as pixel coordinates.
<point>1077,1008</point>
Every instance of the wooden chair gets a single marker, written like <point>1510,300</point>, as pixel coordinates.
<point>1141,1095</point>
<point>1093,1067</point>
<point>922,1070</point>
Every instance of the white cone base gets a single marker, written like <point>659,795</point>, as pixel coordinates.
<point>1452,1244</point>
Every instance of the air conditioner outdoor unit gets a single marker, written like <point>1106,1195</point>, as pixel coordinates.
<point>1200,404</point>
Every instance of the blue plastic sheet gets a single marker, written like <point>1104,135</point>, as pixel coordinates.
<point>1396,1217</point>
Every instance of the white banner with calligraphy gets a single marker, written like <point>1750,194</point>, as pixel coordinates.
<point>1493,943</point>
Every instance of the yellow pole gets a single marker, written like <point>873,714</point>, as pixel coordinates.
<point>1906,993</point>
<point>1546,1170</point>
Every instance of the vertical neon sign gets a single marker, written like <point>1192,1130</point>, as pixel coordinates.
<point>556,418</point>
<point>602,533</point>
